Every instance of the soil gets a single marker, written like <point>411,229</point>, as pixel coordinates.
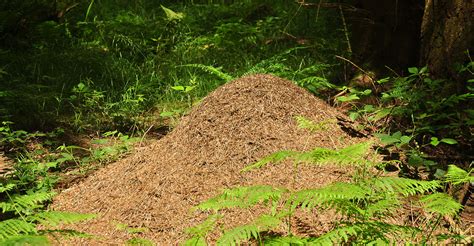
<point>234,126</point>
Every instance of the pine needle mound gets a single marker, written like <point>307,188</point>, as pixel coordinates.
<point>234,126</point>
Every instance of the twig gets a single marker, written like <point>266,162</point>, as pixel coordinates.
<point>346,32</point>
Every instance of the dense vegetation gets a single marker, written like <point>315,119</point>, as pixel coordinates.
<point>110,71</point>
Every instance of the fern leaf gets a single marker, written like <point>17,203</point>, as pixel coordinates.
<point>195,241</point>
<point>242,197</point>
<point>456,175</point>
<point>54,218</point>
<point>205,227</point>
<point>366,233</point>
<point>211,70</point>
<point>15,227</point>
<point>382,207</point>
<point>404,186</point>
<point>274,158</point>
<point>328,195</point>
<point>7,187</point>
<point>243,233</point>
<point>31,201</point>
<point>285,241</point>
<point>25,240</point>
<point>440,203</point>
<point>349,155</point>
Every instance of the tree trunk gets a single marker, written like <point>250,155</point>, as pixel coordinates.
<point>446,35</point>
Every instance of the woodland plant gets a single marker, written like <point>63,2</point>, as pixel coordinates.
<point>366,204</point>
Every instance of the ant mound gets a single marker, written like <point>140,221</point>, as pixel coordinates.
<point>241,122</point>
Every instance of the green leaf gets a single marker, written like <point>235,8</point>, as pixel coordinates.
<point>387,139</point>
<point>348,98</point>
<point>189,88</point>
<point>413,70</point>
<point>405,140</point>
<point>167,114</point>
<point>449,141</point>
<point>178,88</point>
<point>434,141</point>
<point>353,115</point>
<point>171,15</point>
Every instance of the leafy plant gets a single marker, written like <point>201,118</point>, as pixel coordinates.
<point>364,205</point>
<point>21,211</point>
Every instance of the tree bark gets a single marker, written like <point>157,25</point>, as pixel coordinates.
<point>446,35</point>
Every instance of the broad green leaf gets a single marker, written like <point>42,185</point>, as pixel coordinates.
<point>348,98</point>
<point>449,141</point>
<point>413,70</point>
<point>405,139</point>
<point>387,139</point>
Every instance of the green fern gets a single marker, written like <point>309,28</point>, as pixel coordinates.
<point>328,195</point>
<point>305,123</point>
<point>55,218</point>
<point>7,187</point>
<point>441,204</point>
<point>211,70</point>
<point>199,232</point>
<point>404,186</point>
<point>366,233</point>
<point>25,240</point>
<point>363,203</point>
<point>242,197</point>
<point>456,175</point>
<point>353,154</point>
<point>285,241</point>
<point>26,203</point>
<point>15,227</point>
<point>274,158</point>
<point>244,233</point>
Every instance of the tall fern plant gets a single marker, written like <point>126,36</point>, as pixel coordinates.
<point>21,214</point>
<point>364,204</point>
<point>24,218</point>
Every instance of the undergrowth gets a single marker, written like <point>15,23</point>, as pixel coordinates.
<point>27,187</point>
<point>364,205</point>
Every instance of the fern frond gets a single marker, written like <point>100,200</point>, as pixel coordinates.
<point>15,227</point>
<point>195,241</point>
<point>285,241</point>
<point>385,206</point>
<point>7,187</point>
<point>330,195</point>
<point>25,240</point>
<point>350,155</point>
<point>365,233</point>
<point>305,123</point>
<point>20,203</point>
<point>243,233</point>
<point>440,203</point>
<point>242,197</point>
<point>211,70</point>
<point>55,218</point>
<point>456,175</point>
<point>202,229</point>
<point>273,158</point>
<point>404,186</point>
